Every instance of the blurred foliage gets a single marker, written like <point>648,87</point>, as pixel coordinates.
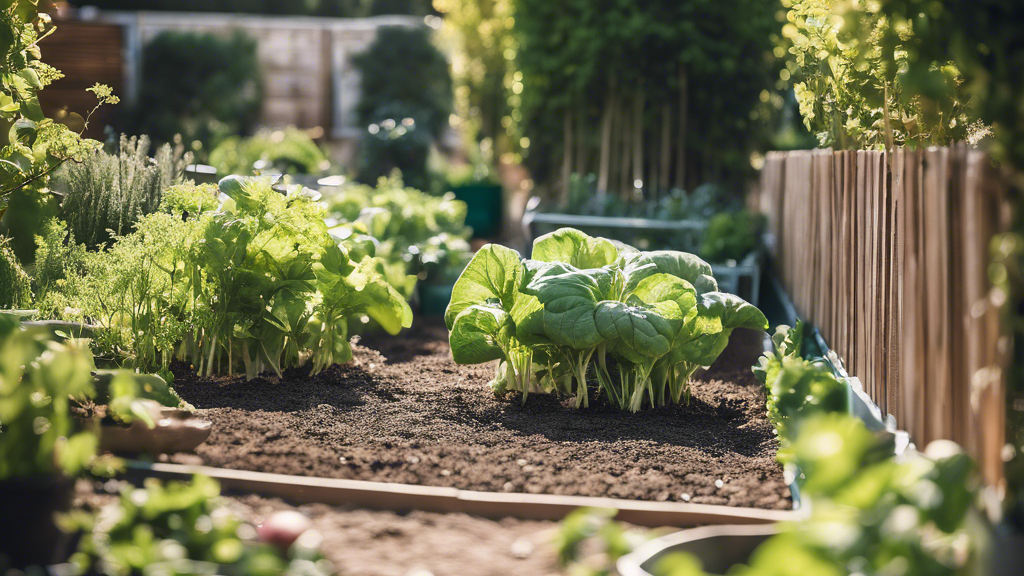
<point>484,69</point>
<point>329,8</point>
<point>403,67</point>
<point>588,542</point>
<point>201,86</point>
<point>850,64</point>
<point>58,262</point>
<point>31,145</point>
<point>288,151</point>
<point>732,235</point>
<point>38,378</point>
<point>395,140</point>
<point>181,528</point>
<point>570,54</point>
<point>417,236</point>
<point>405,103</point>
<point>105,194</point>
<point>15,286</point>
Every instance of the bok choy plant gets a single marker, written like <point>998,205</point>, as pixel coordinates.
<point>641,323</point>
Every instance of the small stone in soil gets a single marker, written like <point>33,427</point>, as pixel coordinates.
<point>685,497</point>
<point>719,483</point>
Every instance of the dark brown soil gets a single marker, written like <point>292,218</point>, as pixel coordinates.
<point>403,411</point>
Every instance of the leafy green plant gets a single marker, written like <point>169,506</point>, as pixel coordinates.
<point>107,193</point>
<point>416,235</point>
<point>396,142</point>
<point>180,528</point>
<point>657,315</point>
<point>31,145</point>
<point>15,286</point>
<point>582,529</point>
<point>60,262</point>
<point>204,87</point>
<point>288,151</point>
<point>38,378</point>
<point>797,389</point>
<point>732,235</point>
<point>256,284</point>
<point>850,68</point>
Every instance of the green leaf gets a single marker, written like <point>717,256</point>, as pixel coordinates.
<point>682,265</point>
<point>641,332</point>
<point>575,248</point>
<point>475,335</point>
<point>734,311</point>
<point>494,274</point>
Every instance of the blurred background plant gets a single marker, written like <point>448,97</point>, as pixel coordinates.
<point>405,103</point>
<point>106,193</point>
<point>201,86</point>
<point>15,285</point>
<point>183,528</point>
<point>288,151</point>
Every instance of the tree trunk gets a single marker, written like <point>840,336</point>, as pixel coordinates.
<point>638,139</point>
<point>566,155</point>
<point>681,137</point>
<point>607,119</point>
<point>665,164</point>
<point>625,133</point>
<point>581,140</point>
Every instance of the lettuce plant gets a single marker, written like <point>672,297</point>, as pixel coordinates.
<point>640,322</point>
<point>254,282</point>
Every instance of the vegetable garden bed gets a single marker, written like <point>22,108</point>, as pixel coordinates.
<point>404,412</point>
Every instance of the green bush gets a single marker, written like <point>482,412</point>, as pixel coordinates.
<point>403,68</point>
<point>15,286</point>
<point>396,141</point>
<point>288,151</point>
<point>732,235</point>
<point>110,192</point>
<point>202,86</point>
<point>60,262</point>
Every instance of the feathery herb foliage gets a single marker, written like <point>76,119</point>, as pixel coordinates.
<point>110,192</point>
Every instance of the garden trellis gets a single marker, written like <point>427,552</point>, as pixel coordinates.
<point>888,257</point>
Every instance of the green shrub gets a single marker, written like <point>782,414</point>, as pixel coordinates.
<point>402,67</point>
<point>15,286</point>
<point>395,141</point>
<point>732,235</point>
<point>202,86</point>
<point>110,192</point>
<point>288,151</point>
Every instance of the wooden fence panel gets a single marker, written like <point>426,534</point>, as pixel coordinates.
<point>887,256</point>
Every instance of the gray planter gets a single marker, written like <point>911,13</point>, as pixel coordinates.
<point>718,548</point>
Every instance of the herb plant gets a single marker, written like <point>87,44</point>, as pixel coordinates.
<point>416,236</point>
<point>15,286</point>
<point>110,192</point>
<point>582,301</point>
<point>253,283</point>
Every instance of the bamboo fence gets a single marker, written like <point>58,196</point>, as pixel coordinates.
<point>890,264</point>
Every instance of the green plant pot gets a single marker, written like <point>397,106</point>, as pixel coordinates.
<point>434,298</point>
<point>484,203</point>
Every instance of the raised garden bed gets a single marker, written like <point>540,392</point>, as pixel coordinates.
<point>404,412</point>
<point>385,543</point>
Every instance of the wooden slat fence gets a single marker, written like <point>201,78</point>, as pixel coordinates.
<point>888,258</point>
